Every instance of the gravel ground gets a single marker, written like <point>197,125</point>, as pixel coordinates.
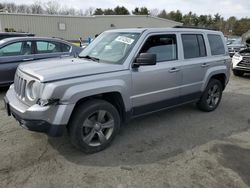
<point>182,147</point>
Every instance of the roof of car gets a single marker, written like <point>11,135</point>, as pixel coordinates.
<point>32,38</point>
<point>167,29</point>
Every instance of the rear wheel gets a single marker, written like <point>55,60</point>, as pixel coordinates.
<point>211,97</point>
<point>94,125</point>
<point>238,73</point>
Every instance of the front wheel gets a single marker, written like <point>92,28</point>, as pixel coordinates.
<point>94,125</point>
<point>211,97</point>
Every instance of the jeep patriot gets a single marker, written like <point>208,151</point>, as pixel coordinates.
<point>122,74</point>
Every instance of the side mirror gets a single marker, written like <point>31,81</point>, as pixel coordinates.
<point>145,59</point>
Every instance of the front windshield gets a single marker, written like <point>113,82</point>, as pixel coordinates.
<point>110,47</point>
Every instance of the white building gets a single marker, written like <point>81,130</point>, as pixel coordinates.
<point>73,27</point>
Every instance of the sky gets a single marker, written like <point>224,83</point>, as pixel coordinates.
<point>226,8</point>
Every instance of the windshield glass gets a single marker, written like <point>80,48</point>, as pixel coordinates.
<point>110,47</point>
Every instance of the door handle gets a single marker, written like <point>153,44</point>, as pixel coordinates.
<point>174,70</point>
<point>205,65</point>
<point>28,59</point>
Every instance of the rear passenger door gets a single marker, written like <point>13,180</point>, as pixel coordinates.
<point>51,49</point>
<point>194,66</point>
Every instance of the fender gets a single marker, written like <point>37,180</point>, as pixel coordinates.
<point>212,72</point>
<point>78,92</point>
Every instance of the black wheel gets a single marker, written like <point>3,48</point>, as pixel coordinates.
<point>238,73</point>
<point>211,97</point>
<point>94,125</point>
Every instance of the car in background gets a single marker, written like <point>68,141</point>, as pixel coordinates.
<point>241,62</point>
<point>235,45</point>
<point>16,50</point>
<point>4,35</point>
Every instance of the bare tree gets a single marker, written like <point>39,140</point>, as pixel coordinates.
<point>80,12</point>
<point>52,7</point>
<point>23,9</point>
<point>154,12</point>
<point>37,8</point>
<point>89,11</point>
<point>11,7</point>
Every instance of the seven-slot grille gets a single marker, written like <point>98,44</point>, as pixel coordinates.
<point>20,86</point>
<point>245,62</point>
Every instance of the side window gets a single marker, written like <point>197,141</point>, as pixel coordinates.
<point>193,46</point>
<point>164,46</point>
<point>47,47</point>
<point>202,46</point>
<point>65,47</point>
<point>216,44</point>
<point>26,48</point>
<point>11,49</point>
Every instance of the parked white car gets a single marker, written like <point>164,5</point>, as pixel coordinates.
<point>241,62</point>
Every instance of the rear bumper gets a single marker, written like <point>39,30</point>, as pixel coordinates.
<point>50,119</point>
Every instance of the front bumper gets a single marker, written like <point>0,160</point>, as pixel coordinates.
<point>245,69</point>
<point>51,120</point>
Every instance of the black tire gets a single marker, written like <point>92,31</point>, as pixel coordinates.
<point>85,124</point>
<point>207,101</point>
<point>238,73</point>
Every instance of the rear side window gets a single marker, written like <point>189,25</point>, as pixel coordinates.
<point>193,46</point>
<point>216,44</point>
<point>48,47</point>
<point>65,47</point>
<point>164,46</point>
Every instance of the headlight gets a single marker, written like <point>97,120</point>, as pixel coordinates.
<point>237,55</point>
<point>32,90</point>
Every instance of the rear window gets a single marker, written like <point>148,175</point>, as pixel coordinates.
<point>216,44</point>
<point>50,47</point>
<point>193,46</point>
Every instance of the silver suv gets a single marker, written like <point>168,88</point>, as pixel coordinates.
<point>121,75</point>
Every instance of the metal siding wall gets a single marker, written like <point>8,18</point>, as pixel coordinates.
<point>77,26</point>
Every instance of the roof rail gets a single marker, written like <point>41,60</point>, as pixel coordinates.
<point>193,27</point>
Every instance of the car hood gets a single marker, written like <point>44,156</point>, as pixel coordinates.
<point>58,69</point>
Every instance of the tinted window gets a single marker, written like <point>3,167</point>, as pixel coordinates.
<point>164,46</point>
<point>48,47</point>
<point>202,45</point>
<point>65,47</point>
<point>26,48</point>
<point>216,44</point>
<point>11,49</point>
<point>193,46</point>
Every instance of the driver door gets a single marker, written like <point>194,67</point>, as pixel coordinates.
<point>157,87</point>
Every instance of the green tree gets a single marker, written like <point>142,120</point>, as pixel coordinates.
<point>176,16</point>
<point>241,26</point>
<point>98,11</point>
<point>109,11</point>
<point>121,10</point>
<point>163,14</point>
<point>141,11</point>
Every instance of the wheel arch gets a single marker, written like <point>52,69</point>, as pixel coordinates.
<point>113,97</point>
<point>220,75</point>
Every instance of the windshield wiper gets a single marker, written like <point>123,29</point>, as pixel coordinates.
<point>89,57</point>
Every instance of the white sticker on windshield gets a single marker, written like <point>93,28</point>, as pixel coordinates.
<point>125,40</point>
